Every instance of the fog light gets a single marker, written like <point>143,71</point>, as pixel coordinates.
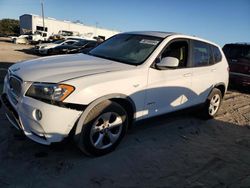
<point>37,115</point>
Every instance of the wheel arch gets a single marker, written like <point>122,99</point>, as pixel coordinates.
<point>125,101</point>
<point>221,87</point>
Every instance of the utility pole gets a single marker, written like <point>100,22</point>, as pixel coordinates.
<point>43,16</point>
<point>96,25</point>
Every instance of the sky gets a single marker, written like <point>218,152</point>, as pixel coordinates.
<point>220,21</point>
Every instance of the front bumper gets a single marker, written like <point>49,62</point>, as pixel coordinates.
<point>54,126</point>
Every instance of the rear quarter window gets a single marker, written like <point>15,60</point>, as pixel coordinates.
<point>217,54</point>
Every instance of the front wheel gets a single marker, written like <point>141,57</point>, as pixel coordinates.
<point>213,103</point>
<point>103,129</point>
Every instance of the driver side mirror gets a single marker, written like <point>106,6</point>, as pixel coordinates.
<point>168,62</point>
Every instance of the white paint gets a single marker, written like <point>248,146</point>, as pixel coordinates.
<point>153,91</point>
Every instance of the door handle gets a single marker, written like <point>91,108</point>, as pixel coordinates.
<point>187,74</point>
<point>213,70</point>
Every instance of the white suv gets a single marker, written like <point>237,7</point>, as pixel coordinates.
<point>97,96</point>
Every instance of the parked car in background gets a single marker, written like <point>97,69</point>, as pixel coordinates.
<point>38,37</point>
<point>47,48</point>
<point>22,39</point>
<point>55,37</point>
<point>85,49</point>
<point>75,47</point>
<point>238,56</point>
<point>129,77</point>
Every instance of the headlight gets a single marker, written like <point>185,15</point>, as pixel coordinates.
<point>54,92</point>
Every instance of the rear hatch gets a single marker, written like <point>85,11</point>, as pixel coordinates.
<point>238,57</point>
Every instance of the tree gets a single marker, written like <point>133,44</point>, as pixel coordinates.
<point>9,27</point>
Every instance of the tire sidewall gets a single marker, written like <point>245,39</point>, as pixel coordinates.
<point>215,91</point>
<point>84,142</point>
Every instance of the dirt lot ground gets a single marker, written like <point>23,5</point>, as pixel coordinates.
<point>177,150</point>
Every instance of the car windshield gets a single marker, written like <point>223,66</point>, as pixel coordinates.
<point>127,48</point>
<point>58,42</point>
<point>81,42</point>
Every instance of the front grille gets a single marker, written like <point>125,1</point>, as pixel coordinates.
<point>9,106</point>
<point>15,85</point>
<point>11,113</point>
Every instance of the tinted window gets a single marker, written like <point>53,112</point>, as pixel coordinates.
<point>91,45</point>
<point>69,42</point>
<point>237,51</point>
<point>58,42</point>
<point>246,52</point>
<point>179,50</point>
<point>202,55</point>
<point>81,43</point>
<point>232,51</point>
<point>39,28</point>
<point>217,54</point>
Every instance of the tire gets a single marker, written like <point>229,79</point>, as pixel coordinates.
<point>212,104</point>
<point>102,129</point>
<point>49,52</point>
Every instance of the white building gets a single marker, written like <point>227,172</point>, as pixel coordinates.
<point>32,23</point>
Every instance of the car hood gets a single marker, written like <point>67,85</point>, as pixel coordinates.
<point>64,67</point>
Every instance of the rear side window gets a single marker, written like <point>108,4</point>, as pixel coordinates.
<point>217,54</point>
<point>202,55</point>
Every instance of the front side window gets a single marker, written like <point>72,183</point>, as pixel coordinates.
<point>127,48</point>
<point>202,55</point>
<point>179,50</point>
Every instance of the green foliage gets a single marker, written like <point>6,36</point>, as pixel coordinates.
<point>9,27</point>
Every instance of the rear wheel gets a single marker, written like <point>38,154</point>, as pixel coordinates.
<point>103,129</point>
<point>213,103</point>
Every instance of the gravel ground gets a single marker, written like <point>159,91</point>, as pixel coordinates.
<point>177,150</point>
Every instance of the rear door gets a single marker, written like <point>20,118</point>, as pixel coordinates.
<point>203,70</point>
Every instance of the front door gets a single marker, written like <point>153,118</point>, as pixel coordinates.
<point>169,89</point>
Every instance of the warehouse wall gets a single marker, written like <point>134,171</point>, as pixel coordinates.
<point>53,26</point>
